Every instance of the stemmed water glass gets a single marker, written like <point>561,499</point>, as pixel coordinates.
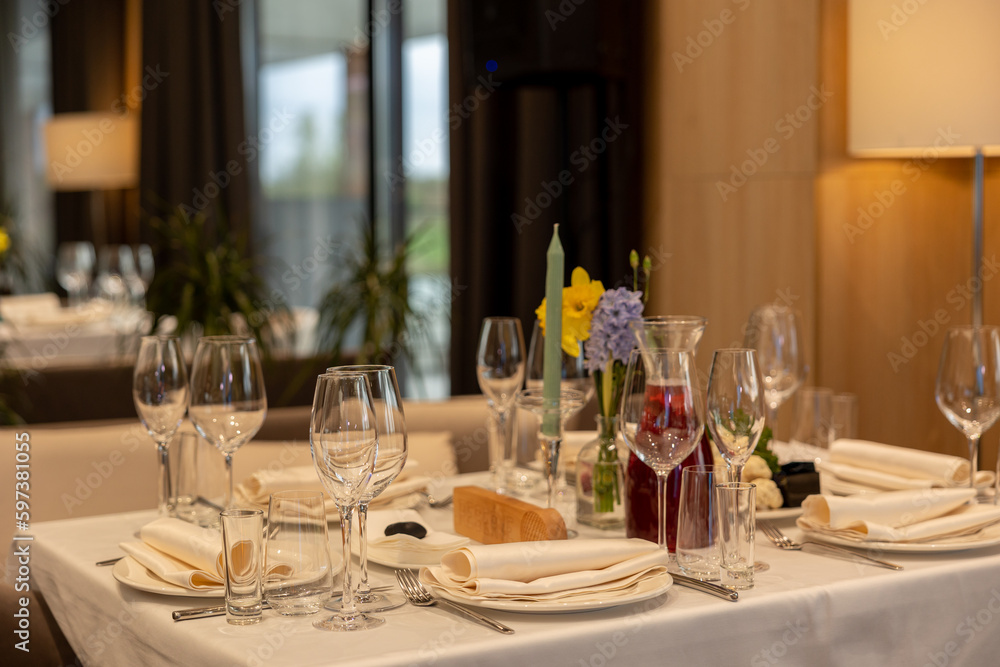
<point>160,392</point>
<point>570,400</point>
<point>228,400</point>
<point>661,415</point>
<point>968,384</point>
<point>735,406</point>
<point>343,436</point>
<point>500,370</point>
<point>391,426</point>
<point>74,267</point>
<point>773,332</point>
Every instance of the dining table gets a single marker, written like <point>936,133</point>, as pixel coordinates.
<point>942,608</point>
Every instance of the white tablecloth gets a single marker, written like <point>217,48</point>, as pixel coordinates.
<point>806,609</point>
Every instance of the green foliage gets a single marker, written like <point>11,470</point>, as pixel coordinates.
<point>208,279</point>
<point>763,450</point>
<point>375,294</point>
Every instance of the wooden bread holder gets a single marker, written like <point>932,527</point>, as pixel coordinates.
<point>491,518</point>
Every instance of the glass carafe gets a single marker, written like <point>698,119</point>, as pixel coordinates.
<point>641,517</point>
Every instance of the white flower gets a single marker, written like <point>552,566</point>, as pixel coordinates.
<point>756,468</point>
<point>768,494</point>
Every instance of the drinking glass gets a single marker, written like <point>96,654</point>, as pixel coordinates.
<point>968,384</point>
<point>773,332</point>
<point>228,400</point>
<point>343,436</point>
<point>297,574</point>
<point>570,401</point>
<point>845,417</point>
<point>735,406</point>
<point>661,415</point>
<point>391,427</point>
<point>500,370</point>
<point>814,417</point>
<point>161,394</point>
<point>74,267</point>
<point>698,549</point>
<point>145,265</point>
<point>737,507</point>
<point>242,540</point>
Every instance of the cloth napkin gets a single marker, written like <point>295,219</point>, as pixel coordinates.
<point>577,570</point>
<point>256,490</point>
<point>915,515</point>
<point>855,466</point>
<point>406,548</point>
<point>180,553</point>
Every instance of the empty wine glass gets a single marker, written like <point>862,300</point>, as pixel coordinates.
<point>500,370</point>
<point>228,400</point>
<point>160,392</point>
<point>74,268</point>
<point>144,264</point>
<point>570,401</point>
<point>968,384</point>
<point>735,411</point>
<point>344,441</point>
<point>773,332</point>
<point>391,427</point>
<point>661,415</point>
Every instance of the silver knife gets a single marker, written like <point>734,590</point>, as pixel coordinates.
<point>850,554</point>
<point>219,610</point>
<point>706,587</point>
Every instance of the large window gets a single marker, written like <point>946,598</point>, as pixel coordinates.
<point>318,184</point>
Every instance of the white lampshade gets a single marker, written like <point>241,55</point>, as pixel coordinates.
<point>923,74</point>
<point>92,151</point>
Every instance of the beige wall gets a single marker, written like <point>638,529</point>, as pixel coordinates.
<point>792,228</point>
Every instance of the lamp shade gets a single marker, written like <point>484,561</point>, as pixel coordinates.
<point>92,151</point>
<point>923,74</point>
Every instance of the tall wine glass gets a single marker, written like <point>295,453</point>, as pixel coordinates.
<point>500,370</point>
<point>968,384</point>
<point>661,415</point>
<point>228,400</point>
<point>570,401</point>
<point>74,268</point>
<point>343,436</point>
<point>391,426</point>
<point>161,394</point>
<point>773,331</point>
<point>735,411</point>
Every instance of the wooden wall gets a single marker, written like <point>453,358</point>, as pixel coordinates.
<point>793,228</point>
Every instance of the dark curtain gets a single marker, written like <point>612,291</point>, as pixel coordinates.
<point>195,147</point>
<point>551,136</point>
<point>88,70</point>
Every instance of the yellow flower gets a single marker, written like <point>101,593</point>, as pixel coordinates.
<point>578,303</point>
<point>4,241</point>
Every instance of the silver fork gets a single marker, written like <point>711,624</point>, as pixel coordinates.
<point>782,541</point>
<point>421,597</point>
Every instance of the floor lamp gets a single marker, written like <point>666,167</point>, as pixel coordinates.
<point>924,82</point>
<point>93,151</point>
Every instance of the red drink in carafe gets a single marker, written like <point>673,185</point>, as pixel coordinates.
<point>641,516</point>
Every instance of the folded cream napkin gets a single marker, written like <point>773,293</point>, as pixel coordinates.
<point>402,548</point>
<point>915,515</point>
<point>861,465</point>
<point>256,490</point>
<point>180,553</point>
<point>576,570</point>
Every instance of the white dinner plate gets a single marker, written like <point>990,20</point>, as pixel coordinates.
<point>644,590</point>
<point>780,513</point>
<point>990,537</point>
<point>134,574</point>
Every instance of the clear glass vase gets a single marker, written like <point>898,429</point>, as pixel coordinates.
<point>600,479</point>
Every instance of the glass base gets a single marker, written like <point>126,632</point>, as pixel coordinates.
<point>371,603</point>
<point>349,622</point>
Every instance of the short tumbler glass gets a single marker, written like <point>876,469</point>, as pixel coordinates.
<point>297,575</point>
<point>242,537</point>
<point>737,521</point>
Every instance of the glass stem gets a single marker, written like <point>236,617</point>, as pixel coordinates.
<point>347,597</point>
<point>503,428</point>
<point>550,450</point>
<point>229,481</point>
<point>736,472</point>
<point>164,479</point>
<point>661,503</point>
<point>973,460</point>
<point>363,589</point>
<point>772,418</point>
